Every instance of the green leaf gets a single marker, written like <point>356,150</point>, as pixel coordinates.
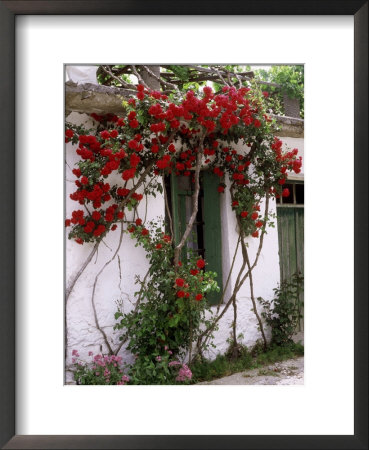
<point>182,72</point>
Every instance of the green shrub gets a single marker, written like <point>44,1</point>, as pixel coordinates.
<point>283,313</point>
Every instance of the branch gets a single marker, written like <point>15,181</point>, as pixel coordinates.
<point>229,274</point>
<point>168,211</point>
<point>140,79</point>
<point>240,75</point>
<point>239,281</point>
<point>195,198</point>
<point>94,290</point>
<point>158,78</point>
<point>254,303</point>
<point>220,76</point>
<point>79,273</point>
<point>261,239</point>
<point>249,272</point>
<point>120,80</point>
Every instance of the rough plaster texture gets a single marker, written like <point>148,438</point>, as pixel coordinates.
<point>116,285</point>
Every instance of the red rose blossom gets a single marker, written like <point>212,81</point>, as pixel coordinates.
<point>96,215</point>
<point>133,123</point>
<point>105,134</point>
<point>200,263</point>
<point>180,294</point>
<point>180,282</point>
<point>198,297</point>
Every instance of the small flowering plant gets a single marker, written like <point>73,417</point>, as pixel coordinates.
<point>183,372</point>
<point>160,369</point>
<point>102,369</point>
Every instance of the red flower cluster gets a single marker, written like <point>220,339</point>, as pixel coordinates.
<point>119,148</point>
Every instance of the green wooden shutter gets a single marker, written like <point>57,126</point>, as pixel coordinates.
<point>212,224</point>
<point>175,208</point>
<point>212,231</point>
<point>291,243</point>
<point>179,211</point>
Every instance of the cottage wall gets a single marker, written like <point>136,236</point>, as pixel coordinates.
<point>116,284</point>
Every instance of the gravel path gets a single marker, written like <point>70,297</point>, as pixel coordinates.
<point>286,372</point>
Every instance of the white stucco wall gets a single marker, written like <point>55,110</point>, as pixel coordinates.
<point>266,275</point>
<point>116,284</point>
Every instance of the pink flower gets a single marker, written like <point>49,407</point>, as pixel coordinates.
<point>158,358</point>
<point>75,353</point>
<point>90,353</point>
<point>184,373</point>
<point>174,363</point>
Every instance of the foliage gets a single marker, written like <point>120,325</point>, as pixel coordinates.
<point>290,80</point>
<point>160,370</point>
<point>171,304</point>
<point>103,369</point>
<point>225,365</point>
<point>108,370</point>
<point>283,313</point>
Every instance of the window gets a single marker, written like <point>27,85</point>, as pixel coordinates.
<point>296,197</point>
<point>205,239</point>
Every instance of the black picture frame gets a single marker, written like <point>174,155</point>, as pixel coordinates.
<point>8,11</point>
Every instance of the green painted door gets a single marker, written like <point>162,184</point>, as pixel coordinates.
<point>291,242</point>
<point>212,232</point>
<point>205,239</point>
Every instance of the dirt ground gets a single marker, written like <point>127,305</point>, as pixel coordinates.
<point>289,372</point>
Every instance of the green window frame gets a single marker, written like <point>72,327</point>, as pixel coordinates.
<point>207,227</point>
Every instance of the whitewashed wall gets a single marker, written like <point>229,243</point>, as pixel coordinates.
<point>116,285</point>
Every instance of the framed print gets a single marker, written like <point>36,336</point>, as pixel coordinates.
<point>40,39</point>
